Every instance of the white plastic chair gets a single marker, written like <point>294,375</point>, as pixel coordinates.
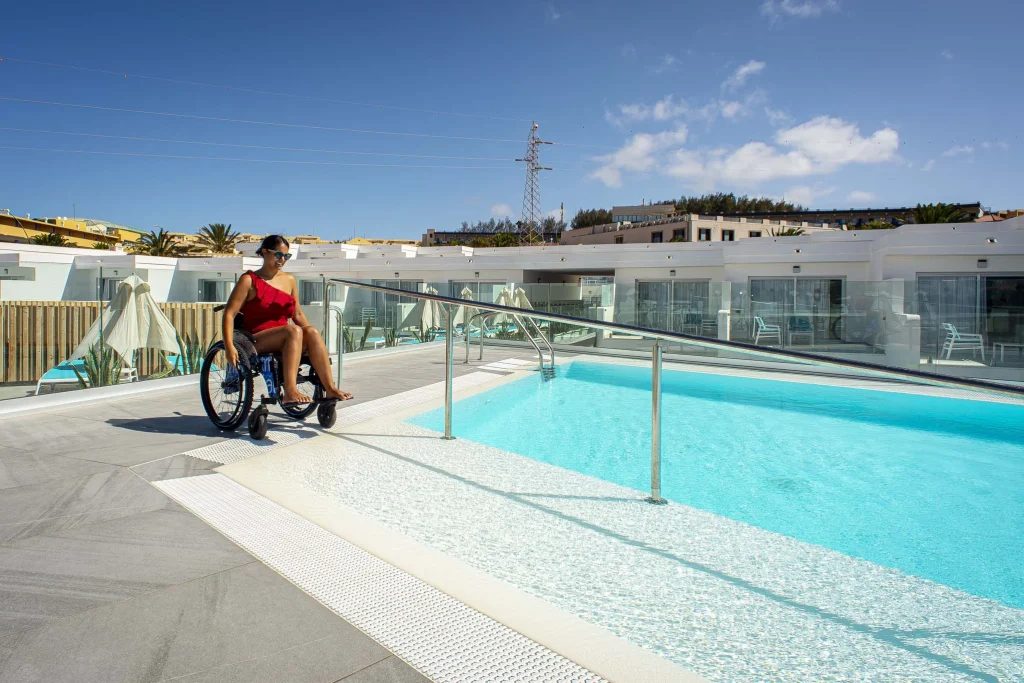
<point>762,330</point>
<point>961,341</point>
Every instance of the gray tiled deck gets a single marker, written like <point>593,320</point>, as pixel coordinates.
<point>105,579</point>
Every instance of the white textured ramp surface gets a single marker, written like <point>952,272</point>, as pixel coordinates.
<point>432,631</point>
<point>287,433</point>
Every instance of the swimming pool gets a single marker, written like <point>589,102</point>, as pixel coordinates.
<point>933,487</point>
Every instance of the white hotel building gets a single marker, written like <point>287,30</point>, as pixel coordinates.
<point>879,296</point>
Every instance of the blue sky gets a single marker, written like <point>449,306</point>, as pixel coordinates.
<point>829,103</point>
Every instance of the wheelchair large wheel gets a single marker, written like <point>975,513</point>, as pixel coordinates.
<point>308,387</point>
<point>226,392</point>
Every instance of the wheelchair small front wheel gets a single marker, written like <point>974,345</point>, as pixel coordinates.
<point>258,424</point>
<point>226,391</point>
<point>327,414</point>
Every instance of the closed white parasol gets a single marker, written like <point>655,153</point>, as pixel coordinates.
<point>131,321</point>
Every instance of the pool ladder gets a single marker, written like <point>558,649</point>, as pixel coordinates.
<point>536,336</point>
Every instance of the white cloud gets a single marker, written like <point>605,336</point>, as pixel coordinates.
<point>668,63</point>
<point>501,211</point>
<point>777,117</point>
<point>986,145</point>
<point>1003,144</point>
<point>628,50</point>
<point>958,150</point>
<point>861,197</point>
<point>640,153</point>
<point>740,76</point>
<point>554,213</point>
<point>551,13</point>
<point>947,54</point>
<point>777,9</point>
<point>928,166</point>
<point>819,146</point>
<point>805,195</point>
<point>668,108</point>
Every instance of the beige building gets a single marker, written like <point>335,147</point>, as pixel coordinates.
<point>642,213</point>
<point>688,228</point>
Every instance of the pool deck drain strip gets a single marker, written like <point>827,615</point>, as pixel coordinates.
<point>433,632</point>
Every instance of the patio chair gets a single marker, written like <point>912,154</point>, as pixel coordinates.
<point>800,326</point>
<point>761,330</point>
<point>961,341</point>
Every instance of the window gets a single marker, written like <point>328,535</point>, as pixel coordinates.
<point>754,233</point>
<point>657,237</point>
<point>679,234</point>
<point>211,291</point>
<point>704,234</point>
<point>618,239</point>
<point>728,235</point>
<point>108,288</point>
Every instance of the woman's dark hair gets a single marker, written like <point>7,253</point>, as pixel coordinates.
<point>271,242</point>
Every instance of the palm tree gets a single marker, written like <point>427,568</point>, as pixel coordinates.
<point>876,225</point>
<point>101,245</point>
<point>158,244</point>
<point>218,238</point>
<point>51,240</point>
<point>940,213</point>
<point>785,232</point>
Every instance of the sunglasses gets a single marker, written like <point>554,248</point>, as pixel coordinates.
<point>282,255</point>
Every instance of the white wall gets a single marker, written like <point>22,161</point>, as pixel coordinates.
<point>50,284</point>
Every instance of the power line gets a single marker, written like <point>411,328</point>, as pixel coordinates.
<point>199,117</point>
<point>246,146</point>
<point>251,161</point>
<point>252,122</point>
<point>259,92</point>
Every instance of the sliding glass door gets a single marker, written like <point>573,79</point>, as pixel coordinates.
<point>810,305</point>
<point>674,305</point>
<point>989,305</point>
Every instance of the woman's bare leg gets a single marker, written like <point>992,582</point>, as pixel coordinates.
<point>287,341</point>
<point>320,360</point>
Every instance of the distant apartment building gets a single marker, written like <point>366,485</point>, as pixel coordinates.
<point>688,228</point>
<point>79,232</point>
<point>374,241</point>
<point>642,213</point>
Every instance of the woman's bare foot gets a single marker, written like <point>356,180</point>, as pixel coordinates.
<point>295,397</point>
<point>338,394</point>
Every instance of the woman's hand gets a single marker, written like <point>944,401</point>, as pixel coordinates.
<point>232,353</point>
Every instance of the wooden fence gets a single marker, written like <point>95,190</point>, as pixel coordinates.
<point>37,335</point>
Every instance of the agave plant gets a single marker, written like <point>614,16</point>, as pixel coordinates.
<point>424,335</point>
<point>190,358</point>
<point>366,334</point>
<point>350,341</point>
<point>390,337</point>
<point>102,367</point>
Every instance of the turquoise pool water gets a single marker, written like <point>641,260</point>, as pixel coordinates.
<point>931,486</point>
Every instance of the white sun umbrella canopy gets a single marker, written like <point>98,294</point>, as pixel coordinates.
<point>131,321</point>
<point>426,314</point>
<point>466,313</point>
<point>512,297</point>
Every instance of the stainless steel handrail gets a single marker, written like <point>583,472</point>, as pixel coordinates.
<point>659,336</point>
<point>483,321</point>
<point>544,338</point>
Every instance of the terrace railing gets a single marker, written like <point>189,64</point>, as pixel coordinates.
<point>657,337</point>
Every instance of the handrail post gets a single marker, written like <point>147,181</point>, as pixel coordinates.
<point>656,425</point>
<point>449,345</point>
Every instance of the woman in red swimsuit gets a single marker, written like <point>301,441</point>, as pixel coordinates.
<point>267,299</point>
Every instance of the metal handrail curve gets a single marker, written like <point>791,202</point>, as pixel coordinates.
<point>880,371</point>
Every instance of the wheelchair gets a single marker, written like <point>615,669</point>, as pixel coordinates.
<point>227,392</point>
